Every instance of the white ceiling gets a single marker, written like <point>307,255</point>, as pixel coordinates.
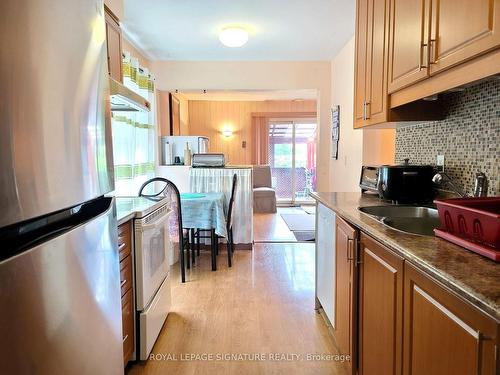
<point>279,29</point>
<point>250,95</point>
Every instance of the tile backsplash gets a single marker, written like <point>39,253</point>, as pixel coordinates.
<point>469,136</point>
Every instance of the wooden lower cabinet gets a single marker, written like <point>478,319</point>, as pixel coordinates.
<point>380,309</point>
<point>444,334</point>
<point>128,307</point>
<point>394,319</point>
<point>128,325</point>
<point>345,291</point>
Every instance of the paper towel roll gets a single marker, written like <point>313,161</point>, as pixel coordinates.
<point>167,154</point>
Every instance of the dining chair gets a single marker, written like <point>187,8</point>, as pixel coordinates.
<point>229,222</point>
<point>264,195</point>
<point>177,232</point>
<point>229,229</point>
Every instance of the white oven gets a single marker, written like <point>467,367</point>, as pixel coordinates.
<point>152,254</point>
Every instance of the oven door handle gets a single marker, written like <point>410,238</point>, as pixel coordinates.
<point>157,222</point>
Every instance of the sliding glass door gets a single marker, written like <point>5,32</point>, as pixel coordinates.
<point>292,157</point>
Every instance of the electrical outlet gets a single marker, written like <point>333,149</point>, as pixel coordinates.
<point>440,163</point>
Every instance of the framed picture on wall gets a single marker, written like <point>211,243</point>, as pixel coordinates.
<point>335,131</point>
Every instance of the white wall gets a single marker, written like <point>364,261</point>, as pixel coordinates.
<point>247,75</point>
<point>344,172</point>
<point>356,147</point>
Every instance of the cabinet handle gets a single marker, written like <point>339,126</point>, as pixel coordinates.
<point>349,247</point>
<point>358,255</point>
<point>123,283</point>
<point>125,338</point>
<point>368,110</point>
<point>364,110</point>
<point>432,53</point>
<point>423,47</point>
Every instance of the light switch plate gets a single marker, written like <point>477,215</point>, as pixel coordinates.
<point>440,163</point>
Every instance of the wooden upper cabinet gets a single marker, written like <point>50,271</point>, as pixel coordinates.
<point>113,45</point>
<point>175,115</point>
<point>409,35</point>
<point>461,30</point>
<point>370,98</point>
<point>345,291</point>
<point>376,104</point>
<point>380,309</point>
<point>443,334</point>
<point>360,76</point>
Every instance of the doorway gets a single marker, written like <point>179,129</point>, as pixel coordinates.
<point>292,157</point>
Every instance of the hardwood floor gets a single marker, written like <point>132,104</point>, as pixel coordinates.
<point>263,305</point>
<point>272,227</point>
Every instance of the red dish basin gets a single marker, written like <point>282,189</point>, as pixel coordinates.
<point>473,223</point>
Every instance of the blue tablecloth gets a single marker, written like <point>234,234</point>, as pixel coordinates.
<point>204,211</point>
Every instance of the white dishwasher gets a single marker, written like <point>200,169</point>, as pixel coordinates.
<point>325,261</point>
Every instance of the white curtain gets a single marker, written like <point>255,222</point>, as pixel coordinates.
<point>134,133</point>
<point>206,180</point>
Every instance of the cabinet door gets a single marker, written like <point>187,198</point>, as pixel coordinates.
<point>380,309</point>
<point>175,115</point>
<point>443,334</point>
<point>360,77</point>
<point>409,34</point>
<point>128,325</point>
<point>462,29</point>
<point>377,58</point>
<point>114,47</point>
<point>345,294</point>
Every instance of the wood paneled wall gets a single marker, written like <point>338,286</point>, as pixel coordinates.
<point>209,118</point>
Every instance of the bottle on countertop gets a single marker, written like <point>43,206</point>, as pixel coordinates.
<point>187,155</point>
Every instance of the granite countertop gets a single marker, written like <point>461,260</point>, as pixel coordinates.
<point>128,208</point>
<point>470,275</point>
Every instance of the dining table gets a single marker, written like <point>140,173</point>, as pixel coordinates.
<point>205,211</point>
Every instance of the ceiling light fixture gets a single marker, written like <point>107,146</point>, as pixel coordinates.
<point>233,36</point>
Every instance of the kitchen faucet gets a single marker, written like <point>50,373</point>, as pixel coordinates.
<point>480,184</point>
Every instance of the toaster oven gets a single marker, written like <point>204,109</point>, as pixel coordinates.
<point>369,179</point>
<point>208,161</point>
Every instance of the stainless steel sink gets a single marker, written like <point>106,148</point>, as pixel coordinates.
<point>410,219</point>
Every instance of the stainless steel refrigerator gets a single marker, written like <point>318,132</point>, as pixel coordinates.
<point>60,309</point>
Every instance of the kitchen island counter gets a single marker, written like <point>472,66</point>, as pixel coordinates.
<point>205,180</point>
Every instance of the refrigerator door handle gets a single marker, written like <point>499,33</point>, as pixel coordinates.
<point>19,238</point>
